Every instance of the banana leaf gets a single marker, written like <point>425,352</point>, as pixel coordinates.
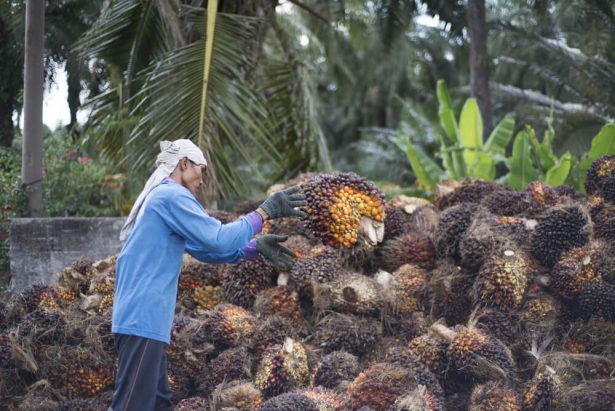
<point>522,171</point>
<point>558,174</point>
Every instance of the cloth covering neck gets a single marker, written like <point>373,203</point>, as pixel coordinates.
<point>170,154</point>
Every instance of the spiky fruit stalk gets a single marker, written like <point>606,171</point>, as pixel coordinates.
<point>337,205</point>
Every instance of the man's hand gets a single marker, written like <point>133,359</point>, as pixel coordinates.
<point>278,255</point>
<point>283,203</point>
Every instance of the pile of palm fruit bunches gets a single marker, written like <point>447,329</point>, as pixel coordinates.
<point>484,299</point>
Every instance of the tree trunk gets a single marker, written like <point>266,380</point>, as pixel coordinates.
<point>32,154</point>
<point>479,61</point>
<point>10,79</point>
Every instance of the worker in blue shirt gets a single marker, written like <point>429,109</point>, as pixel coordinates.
<point>165,221</point>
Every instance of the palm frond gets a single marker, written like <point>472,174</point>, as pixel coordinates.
<point>170,102</point>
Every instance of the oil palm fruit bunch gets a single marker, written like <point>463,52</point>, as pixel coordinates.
<point>223,216</point>
<point>320,265</point>
<point>79,371</point>
<point>452,225</point>
<point>379,386</point>
<point>42,327</point>
<point>192,404</point>
<point>326,400</point>
<point>502,280</point>
<point>66,296</point>
<point>598,301</point>
<point>231,364</point>
<point>347,332</point>
<point>282,368</point>
<point>488,234</point>
<point>39,296</point>
<point>468,191</point>
<point>594,336</point>
<point>600,178</point>
<point>477,353</point>
<point>420,398</point>
<point>241,282</point>
<point>274,330</point>
<point>344,208</point>
<point>180,380</point>
<point>289,401</point>
<point>432,352</point>
<point>334,369</point>
<point>494,395</point>
<point>509,203</point>
<point>591,395</point>
<point>559,229</point>
<point>541,393</point>
<point>406,284</point>
<point>496,323</point>
<point>450,287</point>
<point>603,217</point>
<point>236,395</point>
<point>412,247</point>
<point>573,369</point>
<point>579,267</point>
<point>542,193</point>
<point>207,297</point>
<point>228,325</point>
<point>396,222</point>
<point>428,392</point>
<point>278,301</point>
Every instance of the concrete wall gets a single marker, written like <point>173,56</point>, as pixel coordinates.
<point>41,247</point>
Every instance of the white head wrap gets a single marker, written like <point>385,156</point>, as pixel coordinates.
<point>170,154</point>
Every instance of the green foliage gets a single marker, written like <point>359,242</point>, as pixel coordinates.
<point>13,204</point>
<point>463,153</point>
<point>75,184</point>
<point>462,150</point>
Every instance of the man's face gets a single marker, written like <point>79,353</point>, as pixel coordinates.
<point>192,176</point>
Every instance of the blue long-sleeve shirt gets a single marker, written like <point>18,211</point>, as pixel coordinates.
<point>170,222</point>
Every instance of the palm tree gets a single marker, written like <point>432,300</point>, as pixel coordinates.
<point>556,59</point>
<point>153,52</point>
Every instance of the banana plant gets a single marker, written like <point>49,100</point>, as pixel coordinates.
<point>462,150</point>
<point>535,160</point>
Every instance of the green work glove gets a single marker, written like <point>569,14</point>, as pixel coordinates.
<point>278,255</point>
<point>282,203</point>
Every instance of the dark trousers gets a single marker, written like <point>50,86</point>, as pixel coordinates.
<point>141,382</point>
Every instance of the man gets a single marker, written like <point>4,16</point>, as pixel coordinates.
<point>165,221</point>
